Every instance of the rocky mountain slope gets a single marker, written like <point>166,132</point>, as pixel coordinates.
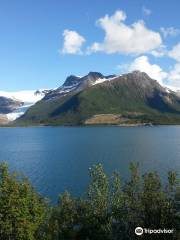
<point>15,104</point>
<point>74,84</point>
<point>132,98</point>
<point>7,105</point>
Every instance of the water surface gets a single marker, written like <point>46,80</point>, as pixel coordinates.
<point>57,158</point>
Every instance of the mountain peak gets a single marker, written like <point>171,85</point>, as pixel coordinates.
<point>132,98</point>
<point>74,84</point>
<point>138,73</point>
<point>70,80</point>
<point>95,74</point>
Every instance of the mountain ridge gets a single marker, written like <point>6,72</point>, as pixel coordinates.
<point>132,98</point>
<point>76,84</point>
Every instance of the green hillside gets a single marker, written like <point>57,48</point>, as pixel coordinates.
<point>132,98</point>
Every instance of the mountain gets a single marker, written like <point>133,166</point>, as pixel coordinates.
<point>7,105</point>
<point>15,104</point>
<point>132,98</point>
<point>3,119</point>
<point>74,84</point>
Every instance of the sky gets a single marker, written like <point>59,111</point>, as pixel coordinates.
<point>44,41</point>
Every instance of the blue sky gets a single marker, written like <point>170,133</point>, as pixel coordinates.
<point>135,34</point>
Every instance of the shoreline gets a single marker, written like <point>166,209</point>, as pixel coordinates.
<point>91,125</point>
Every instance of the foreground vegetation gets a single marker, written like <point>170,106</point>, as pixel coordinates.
<point>110,211</point>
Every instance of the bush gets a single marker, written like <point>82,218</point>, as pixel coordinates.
<point>110,211</point>
<point>22,210</point>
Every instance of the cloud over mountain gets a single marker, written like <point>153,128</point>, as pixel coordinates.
<point>135,40</point>
<point>122,38</point>
<point>72,42</point>
<point>153,70</point>
<point>175,52</point>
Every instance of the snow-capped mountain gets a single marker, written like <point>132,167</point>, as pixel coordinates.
<point>74,84</point>
<point>15,104</point>
<point>8,104</point>
<point>132,98</point>
<point>26,96</point>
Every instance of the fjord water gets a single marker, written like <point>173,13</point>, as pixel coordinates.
<point>56,159</point>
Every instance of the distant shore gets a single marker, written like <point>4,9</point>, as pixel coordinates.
<point>89,125</point>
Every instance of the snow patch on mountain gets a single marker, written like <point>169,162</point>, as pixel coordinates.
<point>101,80</point>
<point>67,89</point>
<point>26,96</point>
<point>18,112</point>
<point>171,88</point>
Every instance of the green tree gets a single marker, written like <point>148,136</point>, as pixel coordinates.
<point>110,210</point>
<point>113,210</point>
<point>63,219</point>
<point>98,223</point>
<point>22,210</point>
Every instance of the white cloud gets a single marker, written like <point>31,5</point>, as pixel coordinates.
<point>122,38</point>
<point>159,52</point>
<point>153,70</point>
<point>170,32</point>
<point>146,11</point>
<point>175,52</point>
<point>73,42</point>
<point>174,76</point>
<point>169,79</point>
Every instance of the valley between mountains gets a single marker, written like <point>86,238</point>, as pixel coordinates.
<point>95,99</point>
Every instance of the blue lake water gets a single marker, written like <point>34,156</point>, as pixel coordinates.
<point>56,159</point>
